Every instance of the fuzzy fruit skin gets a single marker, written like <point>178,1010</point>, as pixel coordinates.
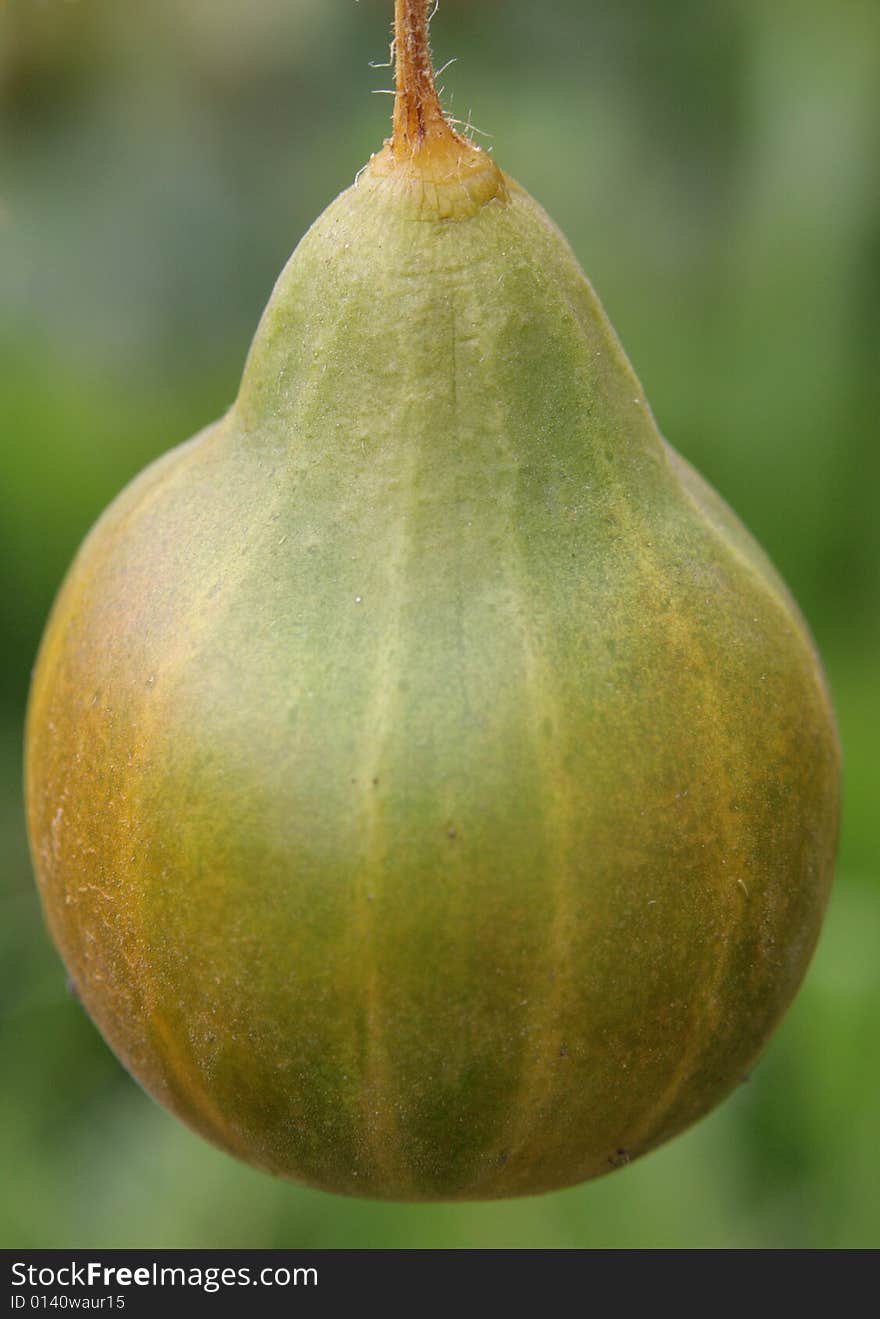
<point>433,789</point>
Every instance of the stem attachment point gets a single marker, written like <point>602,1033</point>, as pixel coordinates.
<point>438,173</point>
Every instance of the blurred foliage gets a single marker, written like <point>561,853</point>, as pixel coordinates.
<point>717,169</point>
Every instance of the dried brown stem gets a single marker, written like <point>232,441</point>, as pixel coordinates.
<point>418,116</point>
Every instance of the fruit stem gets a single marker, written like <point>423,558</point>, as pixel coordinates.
<point>434,172</point>
<point>418,116</point>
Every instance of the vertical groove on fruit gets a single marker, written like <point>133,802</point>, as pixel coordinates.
<point>705,1012</point>
<point>543,1038</point>
<point>383,1134</point>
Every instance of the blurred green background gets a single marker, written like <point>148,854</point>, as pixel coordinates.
<point>717,169</point>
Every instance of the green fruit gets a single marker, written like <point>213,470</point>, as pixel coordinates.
<point>433,789</point>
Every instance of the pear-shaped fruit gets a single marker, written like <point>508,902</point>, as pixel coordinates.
<point>433,789</point>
